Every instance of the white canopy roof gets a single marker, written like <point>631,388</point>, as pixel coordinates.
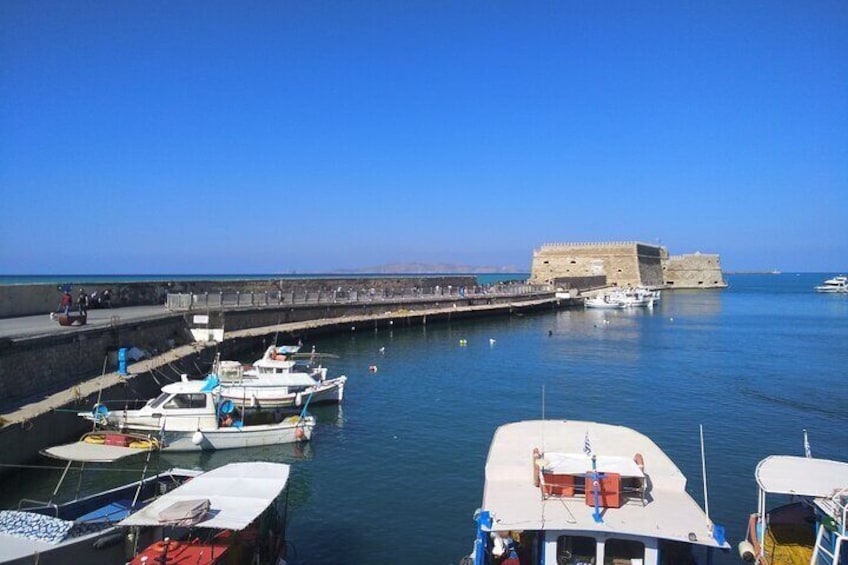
<point>805,476</point>
<point>85,452</point>
<point>238,493</point>
<point>516,504</point>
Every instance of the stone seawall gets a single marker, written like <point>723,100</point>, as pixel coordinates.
<point>41,365</point>
<point>33,299</point>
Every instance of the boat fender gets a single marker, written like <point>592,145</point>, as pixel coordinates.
<point>108,541</point>
<point>299,433</point>
<point>746,551</point>
<point>298,399</point>
<point>197,438</point>
<point>252,400</point>
<point>100,413</point>
<point>498,545</point>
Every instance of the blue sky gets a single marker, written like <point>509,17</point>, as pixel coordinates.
<point>271,137</point>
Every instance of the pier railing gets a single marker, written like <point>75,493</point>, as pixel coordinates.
<point>305,297</point>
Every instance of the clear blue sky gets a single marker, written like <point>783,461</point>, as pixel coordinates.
<point>270,137</point>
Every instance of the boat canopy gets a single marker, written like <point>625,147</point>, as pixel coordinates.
<point>273,379</point>
<point>85,452</point>
<point>237,494</point>
<point>803,476</point>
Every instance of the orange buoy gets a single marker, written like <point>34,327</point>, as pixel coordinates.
<point>299,433</point>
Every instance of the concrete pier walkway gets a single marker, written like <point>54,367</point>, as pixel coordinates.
<point>28,326</point>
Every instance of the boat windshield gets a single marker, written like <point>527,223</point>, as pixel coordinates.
<point>157,402</point>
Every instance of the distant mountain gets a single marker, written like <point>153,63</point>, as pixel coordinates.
<point>429,268</point>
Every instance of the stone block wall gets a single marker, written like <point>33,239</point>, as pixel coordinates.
<point>622,263</point>
<point>696,270</point>
<point>39,366</point>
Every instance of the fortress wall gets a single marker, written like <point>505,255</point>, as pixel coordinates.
<point>696,270</point>
<point>623,263</point>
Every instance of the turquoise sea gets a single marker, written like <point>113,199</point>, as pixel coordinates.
<point>395,474</point>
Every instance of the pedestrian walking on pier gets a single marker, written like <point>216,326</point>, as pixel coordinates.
<point>64,304</point>
<point>82,303</point>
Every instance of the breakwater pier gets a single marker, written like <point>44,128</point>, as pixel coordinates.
<point>48,371</point>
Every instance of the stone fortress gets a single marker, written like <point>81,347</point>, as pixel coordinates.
<point>622,263</point>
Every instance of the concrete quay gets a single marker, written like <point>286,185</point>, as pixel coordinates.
<point>46,415</point>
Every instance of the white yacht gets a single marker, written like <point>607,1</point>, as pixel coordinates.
<point>836,284</point>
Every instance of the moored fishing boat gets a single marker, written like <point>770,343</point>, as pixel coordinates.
<point>572,492</point>
<point>190,415</point>
<point>277,383</point>
<point>231,514</point>
<point>811,527</point>
<point>85,529</point>
<point>603,302</point>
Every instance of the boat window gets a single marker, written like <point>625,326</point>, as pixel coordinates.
<point>575,550</point>
<point>157,402</point>
<point>623,551</point>
<point>187,401</point>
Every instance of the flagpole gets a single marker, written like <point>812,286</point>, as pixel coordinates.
<point>704,473</point>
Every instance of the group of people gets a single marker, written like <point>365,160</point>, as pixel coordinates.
<point>83,301</point>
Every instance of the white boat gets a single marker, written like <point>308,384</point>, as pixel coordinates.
<point>603,302</point>
<point>836,284</point>
<point>190,415</point>
<point>811,527</point>
<point>85,529</point>
<point>231,514</point>
<point>571,492</point>
<point>275,383</point>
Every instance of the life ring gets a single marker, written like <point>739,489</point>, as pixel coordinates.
<point>163,546</point>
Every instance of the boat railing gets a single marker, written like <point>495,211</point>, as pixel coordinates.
<point>31,504</point>
<point>206,300</point>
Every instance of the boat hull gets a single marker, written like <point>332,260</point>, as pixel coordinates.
<point>271,398</point>
<point>235,438</point>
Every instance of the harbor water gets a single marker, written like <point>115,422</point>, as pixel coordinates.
<point>395,473</point>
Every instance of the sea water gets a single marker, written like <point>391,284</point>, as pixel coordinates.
<point>395,473</point>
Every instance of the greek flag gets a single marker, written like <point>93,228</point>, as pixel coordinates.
<point>587,446</point>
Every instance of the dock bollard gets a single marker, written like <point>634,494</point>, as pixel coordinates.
<point>122,361</point>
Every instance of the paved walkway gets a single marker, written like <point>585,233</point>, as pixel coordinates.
<point>30,326</point>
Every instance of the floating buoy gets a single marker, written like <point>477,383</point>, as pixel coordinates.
<point>463,342</point>
<point>491,341</point>
<point>373,368</point>
<point>382,350</point>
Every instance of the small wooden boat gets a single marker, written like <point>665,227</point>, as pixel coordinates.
<point>811,527</point>
<point>190,415</point>
<point>85,529</point>
<point>226,515</point>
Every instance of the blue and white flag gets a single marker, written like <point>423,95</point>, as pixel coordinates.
<point>587,446</point>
